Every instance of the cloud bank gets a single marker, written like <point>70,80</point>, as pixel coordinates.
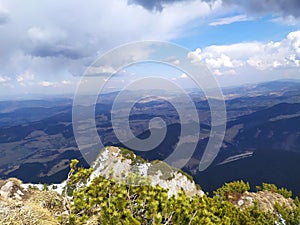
<point>253,59</point>
<point>48,44</point>
<point>277,7</point>
<point>63,38</point>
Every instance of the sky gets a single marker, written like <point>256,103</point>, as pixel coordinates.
<point>46,46</point>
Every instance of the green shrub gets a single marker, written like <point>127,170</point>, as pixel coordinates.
<point>117,203</point>
<point>233,188</point>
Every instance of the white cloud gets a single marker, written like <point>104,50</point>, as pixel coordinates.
<point>116,60</point>
<point>230,72</point>
<point>183,76</point>
<point>237,50</point>
<point>172,60</point>
<point>195,56</point>
<point>101,70</point>
<point>222,61</point>
<point>26,76</point>
<point>37,34</point>
<point>260,56</point>
<point>229,20</point>
<point>56,43</point>
<point>283,54</point>
<point>252,61</point>
<point>288,20</point>
<point>4,79</point>
<point>46,83</point>
<point>66,82</point>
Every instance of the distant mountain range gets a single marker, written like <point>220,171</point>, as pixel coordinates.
<point>37,140</point>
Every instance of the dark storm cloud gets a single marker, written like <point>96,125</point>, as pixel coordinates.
<point>55,51</point>
<point>154,4</point>
<point>53,43</point>
<point>279,7</point>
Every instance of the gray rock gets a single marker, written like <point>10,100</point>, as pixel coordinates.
<point>6,190</point>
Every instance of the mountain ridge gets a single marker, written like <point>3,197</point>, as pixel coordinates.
<point>97,196</point>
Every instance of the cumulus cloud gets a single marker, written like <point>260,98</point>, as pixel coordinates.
<point>228,59</point>
<point>222,60</point>
<point>195,56</point>
<point>116,60</point>
<point>59,42</point>
<point>283,54</point>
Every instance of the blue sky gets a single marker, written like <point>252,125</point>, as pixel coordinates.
<point>261,29</point>
<point>46,46</point>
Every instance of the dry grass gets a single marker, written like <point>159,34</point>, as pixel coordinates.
<point>50,200</point>
<point>28,214</point>
<point>41,208</point>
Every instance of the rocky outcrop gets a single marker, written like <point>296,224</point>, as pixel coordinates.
<point>120,163</point>
<point>266,200</point>
<point>12,189</point>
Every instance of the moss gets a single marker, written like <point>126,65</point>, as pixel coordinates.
<point>198,187</point>
<point>166,170</point>
<point>128,154</point>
